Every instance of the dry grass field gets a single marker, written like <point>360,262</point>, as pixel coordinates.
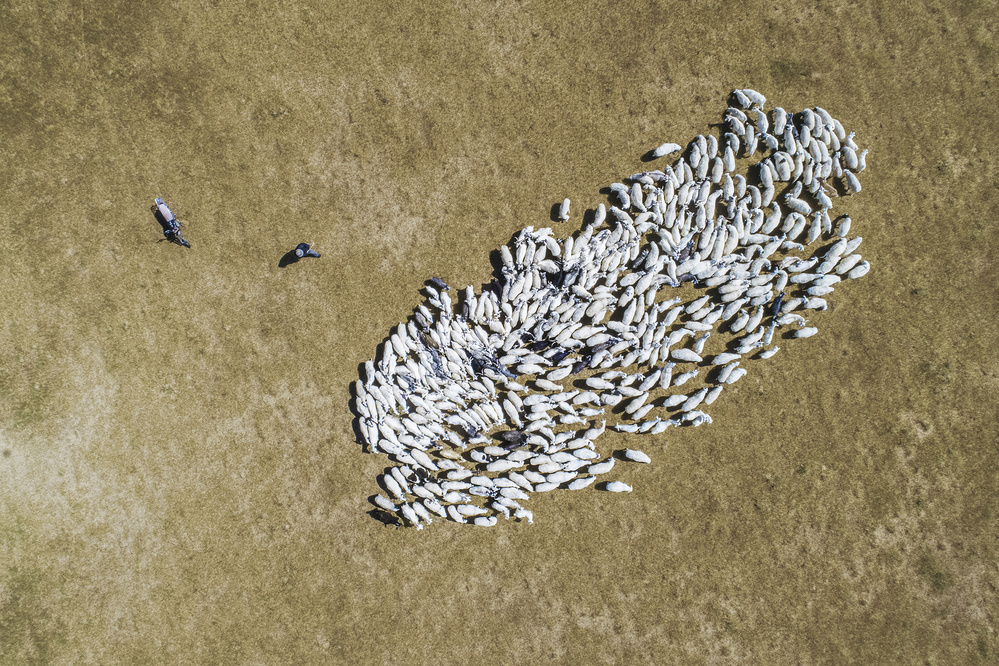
<point>179,480</point>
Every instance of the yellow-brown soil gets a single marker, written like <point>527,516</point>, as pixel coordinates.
<point>179,482</point>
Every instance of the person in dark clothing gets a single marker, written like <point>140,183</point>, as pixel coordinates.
<point>171,225</point>
<point>305,250</point>
<point>172,234</point>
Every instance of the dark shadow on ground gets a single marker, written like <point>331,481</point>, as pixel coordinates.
<point>288,259</point>
<point>384,517</point>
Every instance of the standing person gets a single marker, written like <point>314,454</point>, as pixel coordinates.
<point>171,225</point>
<point>305,250</point>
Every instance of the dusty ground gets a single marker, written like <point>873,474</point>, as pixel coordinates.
<point>179,482</point>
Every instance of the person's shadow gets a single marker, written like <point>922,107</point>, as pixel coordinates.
<point>289,258</point>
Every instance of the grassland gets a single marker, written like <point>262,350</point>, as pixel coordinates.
<point>179,482</point>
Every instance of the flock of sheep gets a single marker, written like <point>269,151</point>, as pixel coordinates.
<point>694,269</point>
